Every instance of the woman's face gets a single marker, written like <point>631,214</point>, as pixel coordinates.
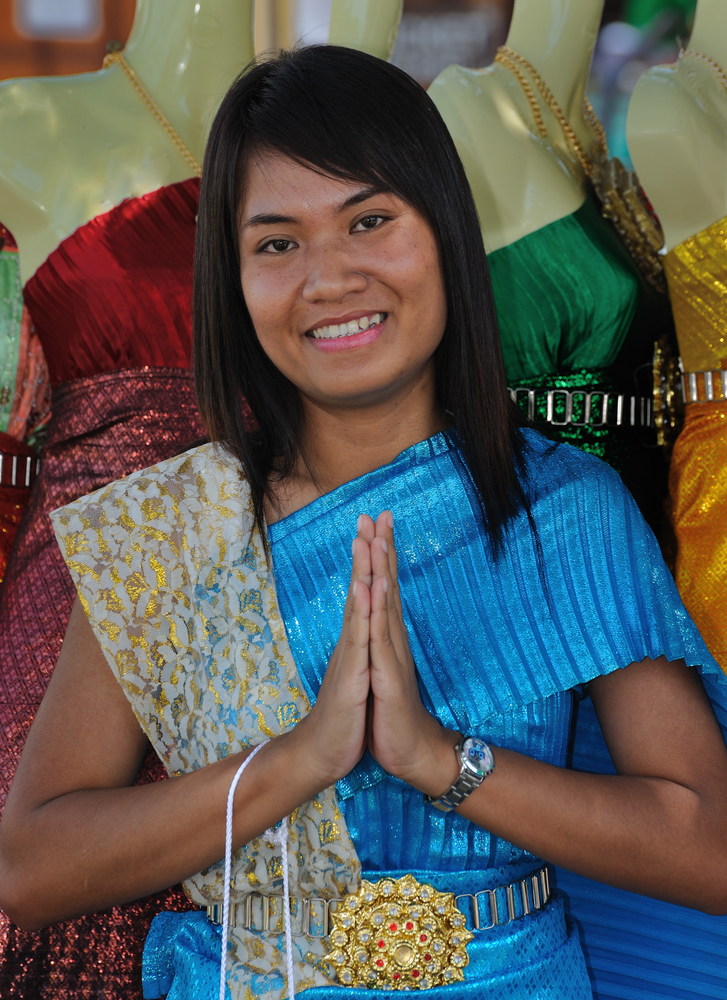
<point>343,285</point>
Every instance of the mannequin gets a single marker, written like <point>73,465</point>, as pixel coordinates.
<point>105,230</point>
<point>518,184</point>
<point>23,397</point>
<point>185,53</point>
<point>555,262</point>
<point>368,25</point>
<point>676,132</point>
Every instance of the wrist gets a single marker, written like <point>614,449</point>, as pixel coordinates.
<point>475,763</point>
<point>437,766</point>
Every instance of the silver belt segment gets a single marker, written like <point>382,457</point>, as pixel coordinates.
<point>704,386</point>
<point>599,407</point>
<point>312,916</point>
<point>18,470</point>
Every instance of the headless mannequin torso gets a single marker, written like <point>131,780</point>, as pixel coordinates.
<point>520,183</point>
<point>109,145</point>
<point>677,131</point>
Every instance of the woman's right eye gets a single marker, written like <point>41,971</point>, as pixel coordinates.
<point>276,246</point>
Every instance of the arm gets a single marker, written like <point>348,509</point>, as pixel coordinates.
<point>75,837</point>
<point>658,827</point>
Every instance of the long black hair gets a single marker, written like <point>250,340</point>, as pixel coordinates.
<point>351,116</point>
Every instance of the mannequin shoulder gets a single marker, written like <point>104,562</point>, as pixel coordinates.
<point>677,137</point>
<point>517,182</point>
<point>27,108</point>
<point>664,105</point>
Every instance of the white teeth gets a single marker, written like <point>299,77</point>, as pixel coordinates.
<point>347,329</point>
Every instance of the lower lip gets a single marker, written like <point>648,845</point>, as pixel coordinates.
<point>348,343</point>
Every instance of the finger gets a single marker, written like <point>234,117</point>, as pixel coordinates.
<point>383,652</point>
<point>385,529</point>
<point>366,528</point>
<point>361,563</point>
<point>385,599</point>
<point>353,644</point>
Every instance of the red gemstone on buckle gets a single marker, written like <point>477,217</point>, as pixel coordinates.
<point>415,973</point>
<point>409,925</point>
<point>393,927</point>
<point>422,937</point>
<point>427,957</point>
<point>379,962</point>
<point>397,975</point>
<point>381,944</point>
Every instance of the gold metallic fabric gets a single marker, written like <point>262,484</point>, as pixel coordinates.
<point>698,487</point>
<point>695,271</point>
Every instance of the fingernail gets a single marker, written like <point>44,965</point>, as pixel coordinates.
<point>384,545</point>
<point>359,522</point>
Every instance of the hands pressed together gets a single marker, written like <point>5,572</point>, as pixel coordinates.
<point>369,697</point>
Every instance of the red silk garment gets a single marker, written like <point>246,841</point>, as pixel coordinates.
<point>112,308</point>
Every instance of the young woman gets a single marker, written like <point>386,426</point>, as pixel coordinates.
<point>381,600</point>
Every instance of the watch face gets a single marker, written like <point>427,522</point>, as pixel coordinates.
<point>477,756</point>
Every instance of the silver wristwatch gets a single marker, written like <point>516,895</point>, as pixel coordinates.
<point>476,763</point>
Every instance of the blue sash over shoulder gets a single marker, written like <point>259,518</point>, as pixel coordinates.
<point>487,639</point>
<point>492,628</point>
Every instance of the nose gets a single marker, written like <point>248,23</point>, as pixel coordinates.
<point>332,272</point>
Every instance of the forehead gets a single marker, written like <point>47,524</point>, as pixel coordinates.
<point>272,181</point>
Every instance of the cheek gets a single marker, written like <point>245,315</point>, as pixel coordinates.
<point>261,302</point>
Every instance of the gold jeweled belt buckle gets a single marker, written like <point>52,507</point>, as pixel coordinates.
<point>398,934</point>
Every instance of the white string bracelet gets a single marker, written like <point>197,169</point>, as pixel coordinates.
<point>228,867</point>
<point>281,835</point>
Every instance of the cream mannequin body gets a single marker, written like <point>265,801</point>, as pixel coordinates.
<point>518,183</point>
<point>368,25</point>
<point>677,131</point>
<point>75,146</point>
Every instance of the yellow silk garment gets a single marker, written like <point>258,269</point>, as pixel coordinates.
<point>696,272</point>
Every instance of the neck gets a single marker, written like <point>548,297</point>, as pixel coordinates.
<point>368,25</point>
<point>709,34</point>
<point>341,446</point>
<point>558,38</point>
<point>187,52</point>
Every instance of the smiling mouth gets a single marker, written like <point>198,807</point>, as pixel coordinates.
<point>337,330</point>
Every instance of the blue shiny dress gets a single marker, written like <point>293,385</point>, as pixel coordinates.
<point>502,649</point>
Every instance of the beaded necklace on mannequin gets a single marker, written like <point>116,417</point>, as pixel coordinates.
<point>622,200</point>
<point>116,56</point>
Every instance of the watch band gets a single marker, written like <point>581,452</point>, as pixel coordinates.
<point>476,762</point>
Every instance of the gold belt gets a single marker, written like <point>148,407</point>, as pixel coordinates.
<point>395,933</point>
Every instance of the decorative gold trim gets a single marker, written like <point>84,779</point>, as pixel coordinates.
<point>398,934</point>
<point>622,199</point>
<point>708,61</point>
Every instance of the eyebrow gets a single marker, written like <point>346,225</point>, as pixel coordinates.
<point>273,219</point>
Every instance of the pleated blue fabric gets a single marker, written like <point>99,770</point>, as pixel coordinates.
<point>495,653</point>
<point>639,948</point>
<point>503,649</point>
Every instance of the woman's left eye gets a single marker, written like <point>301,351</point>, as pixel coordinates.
<point>369,222</point>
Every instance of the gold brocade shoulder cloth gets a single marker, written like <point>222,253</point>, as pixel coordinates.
<point>174,580</point>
